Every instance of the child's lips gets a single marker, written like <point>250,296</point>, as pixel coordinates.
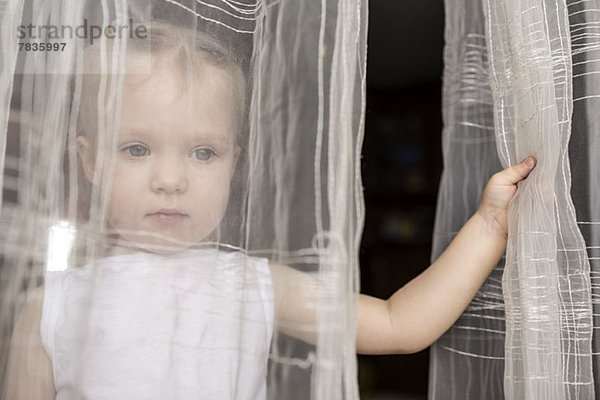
<point>168,216</point>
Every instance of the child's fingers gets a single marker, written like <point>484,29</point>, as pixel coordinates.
<point>518,172</point>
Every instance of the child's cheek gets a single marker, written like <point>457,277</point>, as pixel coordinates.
<point>126,199</point>
<point>214,200</point>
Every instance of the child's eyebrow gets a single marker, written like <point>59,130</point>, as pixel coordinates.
<point>192,138</point>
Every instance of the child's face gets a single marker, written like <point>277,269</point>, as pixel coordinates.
<point>176,157</point>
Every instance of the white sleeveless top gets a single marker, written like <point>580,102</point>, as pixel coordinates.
<point>194,325</point>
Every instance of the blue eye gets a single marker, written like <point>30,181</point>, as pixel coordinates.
<point>137,150</point>
<point>203,154</point>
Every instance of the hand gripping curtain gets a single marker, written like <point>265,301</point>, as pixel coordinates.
<point>181,201</point>
<point>521,78</point>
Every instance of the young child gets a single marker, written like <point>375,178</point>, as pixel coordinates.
<point>161,317</point>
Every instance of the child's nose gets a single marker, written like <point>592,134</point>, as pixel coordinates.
<point>169,176</point>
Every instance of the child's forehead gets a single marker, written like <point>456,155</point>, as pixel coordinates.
<point>166,70</point>
<point>167,86</point>
<point>198,107</point>
<point>178,121</point>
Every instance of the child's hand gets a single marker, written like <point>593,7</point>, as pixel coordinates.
<point>501,187</point>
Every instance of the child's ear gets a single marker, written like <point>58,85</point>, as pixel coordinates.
<point>86,156</point>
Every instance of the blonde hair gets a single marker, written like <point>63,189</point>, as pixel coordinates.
<point>189,51</point>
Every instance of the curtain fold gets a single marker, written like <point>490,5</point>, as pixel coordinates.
<point>527,87</point>
<point>180,197</point>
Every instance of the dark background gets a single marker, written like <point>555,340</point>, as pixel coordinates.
<point>401,168</point>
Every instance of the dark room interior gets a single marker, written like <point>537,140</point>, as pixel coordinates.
<point>401,168</point>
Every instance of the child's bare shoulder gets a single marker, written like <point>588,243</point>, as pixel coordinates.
<point>29,368</point>
<point>31,314</point>
<point>289,280</point>
<point>296,295</point>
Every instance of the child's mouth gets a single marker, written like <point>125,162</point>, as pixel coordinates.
<point>168,216</point>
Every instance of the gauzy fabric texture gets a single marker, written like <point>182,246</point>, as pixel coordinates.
<point>226,127</point>
<point>520,79</point>
<point>196,325</point>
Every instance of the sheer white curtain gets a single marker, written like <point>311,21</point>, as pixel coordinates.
<point>521,79</point>
<point>91,92</point>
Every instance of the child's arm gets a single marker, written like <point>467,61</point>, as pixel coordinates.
<point>421,311</point>
<point>29,372</point>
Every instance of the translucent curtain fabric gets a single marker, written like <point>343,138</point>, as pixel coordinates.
<point>289,77</point>
<point>319,200</point>
<point>520,79</point>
